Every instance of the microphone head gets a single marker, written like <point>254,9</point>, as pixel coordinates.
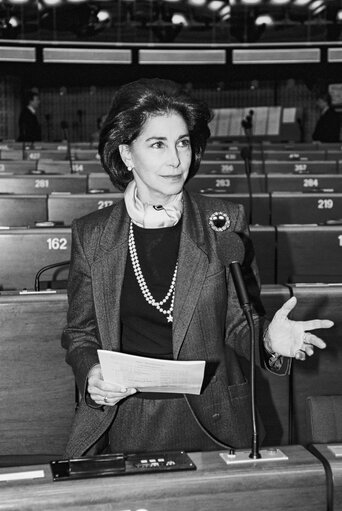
<point>230,248</point>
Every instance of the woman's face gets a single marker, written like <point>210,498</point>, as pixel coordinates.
<point>160,157</point>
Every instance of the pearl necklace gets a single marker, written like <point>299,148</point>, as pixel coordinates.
<point>142,283</point>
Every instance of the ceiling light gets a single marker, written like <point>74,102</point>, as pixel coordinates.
<point>315,5</point>
<point>215,5</point>
<point>280,2</point>
<point>264,19</point>
<point>339,15</point>
<point>250,2</point>
<point>301,2</point>
<point>198,3</point>
<point>225,10</point>
<point>179,19</point>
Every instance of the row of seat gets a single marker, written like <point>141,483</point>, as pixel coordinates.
<point>202,183</point>
<point>276,208</point>
<point>284,254</point>
<point>208,166</point>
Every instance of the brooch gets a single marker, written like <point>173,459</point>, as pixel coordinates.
<point>219,221</point>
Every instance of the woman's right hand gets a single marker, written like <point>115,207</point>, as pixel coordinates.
<point>103,393</point>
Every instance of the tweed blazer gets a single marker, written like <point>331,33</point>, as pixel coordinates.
<point>208,323</point>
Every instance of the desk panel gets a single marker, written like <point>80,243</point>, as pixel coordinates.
<point>228,167</point>
<point>309,254</point>
<point>66,208</point>
<point>22,210</point>
<point>37,390</point>
<point>260,203</point>
<point>17,167</point>
<point>23,252</point>
<point>304,183</point>
<point>101,181</point>
<point>321,373</point>
<point>298,483</point>
<point>305,208</point>
<point>300,167</point>
<point>217,183</point>
<point>334,473</point>
<point>42,184</point>
<point>294,155</point>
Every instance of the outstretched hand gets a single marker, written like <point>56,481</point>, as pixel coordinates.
<point>293,338</point>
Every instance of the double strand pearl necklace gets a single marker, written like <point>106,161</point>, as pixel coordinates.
<point>142,283</point>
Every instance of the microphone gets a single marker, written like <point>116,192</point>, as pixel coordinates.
<point>65,128</point>
<point>246,155</point>
<point>230,251</point>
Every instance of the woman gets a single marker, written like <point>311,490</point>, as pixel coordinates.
<point>145,279</point>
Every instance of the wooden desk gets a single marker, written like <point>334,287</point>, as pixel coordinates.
<point>37,390</point>
<point>293,484</point>
<point>333,466</point>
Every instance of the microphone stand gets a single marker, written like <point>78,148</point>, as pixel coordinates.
<point>64,126</point>
<point>247,309</point>
<point>246,154</point>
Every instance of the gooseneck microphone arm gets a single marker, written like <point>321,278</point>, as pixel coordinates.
<point>45,268</point>
<point>242,294</point>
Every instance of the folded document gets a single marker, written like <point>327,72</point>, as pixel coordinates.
<point>150,374</point>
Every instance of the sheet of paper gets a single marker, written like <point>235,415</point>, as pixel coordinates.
<point>152,375</point>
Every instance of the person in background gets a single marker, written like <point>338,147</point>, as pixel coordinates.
<point>94,137</point>
<point>328,125</point>
<point>29,126</point>
<point>146,279</point>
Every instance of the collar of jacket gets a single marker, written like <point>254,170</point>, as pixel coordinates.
<point>109,267</point>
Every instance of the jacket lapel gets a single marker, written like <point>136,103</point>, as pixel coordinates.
<point>193,266</point>
<point>108,272</point>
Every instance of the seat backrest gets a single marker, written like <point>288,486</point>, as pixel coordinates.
<point>324,418</point>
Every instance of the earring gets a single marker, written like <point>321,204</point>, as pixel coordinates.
<point>129,169</point>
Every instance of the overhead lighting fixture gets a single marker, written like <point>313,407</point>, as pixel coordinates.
<point>75,1</point>
<point>301,3</point>
<point>216,5</point>
<point>225,10</point>
<point>264,19</point>
<point>339,15</point>
<point>103,16</point>
<point>18,2</point>
<point>52,3</point>
<point>197,3</point>
<point>280,2</point>
<point>315,5</point>
<point>179,19</point>
<point>251,2</point>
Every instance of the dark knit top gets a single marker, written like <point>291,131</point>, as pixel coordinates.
<point>145,330</point>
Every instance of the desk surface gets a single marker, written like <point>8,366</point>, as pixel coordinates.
<point>296,483</point>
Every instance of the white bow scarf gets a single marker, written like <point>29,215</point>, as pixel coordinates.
<point>152,216</point>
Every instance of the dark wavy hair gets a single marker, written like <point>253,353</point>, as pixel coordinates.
<point>132,105</point>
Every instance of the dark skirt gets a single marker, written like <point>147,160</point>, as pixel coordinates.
<point>156,425</point>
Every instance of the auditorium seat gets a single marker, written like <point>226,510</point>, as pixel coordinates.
<point>86,154</point>
<point>23,252</point>
<point>334,155</point>
<point>22,210</point>
<point>263,238</point>
<point>300,167</point>
<point>38,184</point>
<point>218,183</point>
<point>305,208</point>
<point>18,166</point>
<point>324,419</point>
<point>321,373</point>
<point>304,183</point>
<point>292,146</point>
<point>229,167</point>
<point>309,254</point>
<point>229,155</point>
<point>64,208</point>
<point>260,204</point>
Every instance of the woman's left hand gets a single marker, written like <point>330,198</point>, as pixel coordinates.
<point>292,338</point>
